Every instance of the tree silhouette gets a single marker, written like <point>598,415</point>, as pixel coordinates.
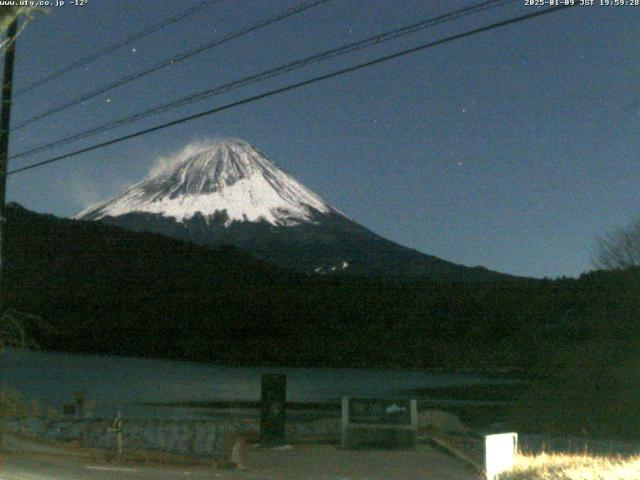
<point>14,329</point>
<point>10,13</point>
<point>618,249</point>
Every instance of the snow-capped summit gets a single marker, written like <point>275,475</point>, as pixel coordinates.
<point>230,193</point>
<point>229,177</point>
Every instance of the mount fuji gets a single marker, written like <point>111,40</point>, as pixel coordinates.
<point>231,193</point>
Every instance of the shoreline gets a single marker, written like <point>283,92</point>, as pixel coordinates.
<point>497,373</point>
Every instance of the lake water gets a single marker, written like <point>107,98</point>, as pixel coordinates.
<point>122,383</point>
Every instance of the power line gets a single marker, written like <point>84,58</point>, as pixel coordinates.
<point>172,61</point>
<point>294,86</point>
<point>288,67</point>
<point>122,43</point>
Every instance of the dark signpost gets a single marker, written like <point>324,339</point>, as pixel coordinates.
<point>273,409</point>
<point>388,423</point>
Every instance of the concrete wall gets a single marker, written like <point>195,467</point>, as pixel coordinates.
<point>185,437</point>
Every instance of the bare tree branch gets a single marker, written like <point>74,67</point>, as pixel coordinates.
<point>618,249</point>
<point>14,326</point>
<point>10,13</point>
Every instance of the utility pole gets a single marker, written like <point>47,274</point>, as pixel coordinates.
<point>5,121</point>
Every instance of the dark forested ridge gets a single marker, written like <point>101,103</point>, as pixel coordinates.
<point>104,289</point>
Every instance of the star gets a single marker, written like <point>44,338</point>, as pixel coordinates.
<point>108,100</point>
<point>133,50</point>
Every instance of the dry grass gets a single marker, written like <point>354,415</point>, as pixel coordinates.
<point>14,405</point>
<point>574,467</point>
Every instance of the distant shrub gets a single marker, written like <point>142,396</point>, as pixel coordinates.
<point>15,329</point>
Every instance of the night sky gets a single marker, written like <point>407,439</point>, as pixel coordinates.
<point>512,149</point>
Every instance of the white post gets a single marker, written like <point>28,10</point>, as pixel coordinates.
<point>414,414</point>
<point>345,420</point>
<point>500,450</point>
<point>116,428</point>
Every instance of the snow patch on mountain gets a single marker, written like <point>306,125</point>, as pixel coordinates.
<point>342,266</point>
<point>228,176</point>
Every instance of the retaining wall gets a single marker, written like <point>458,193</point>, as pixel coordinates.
<point>184,437</point>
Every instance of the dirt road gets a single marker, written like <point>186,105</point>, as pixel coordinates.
<point>300,462</point>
